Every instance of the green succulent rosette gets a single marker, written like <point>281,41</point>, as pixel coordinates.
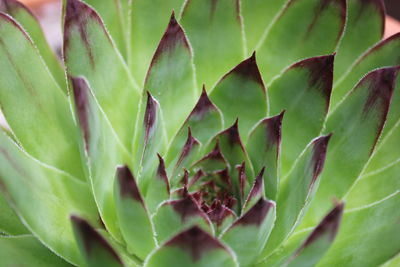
<point>202,133</point>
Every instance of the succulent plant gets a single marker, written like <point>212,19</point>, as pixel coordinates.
<point>215,136</point>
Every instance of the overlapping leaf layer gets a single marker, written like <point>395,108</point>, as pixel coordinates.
<point>200,133</point>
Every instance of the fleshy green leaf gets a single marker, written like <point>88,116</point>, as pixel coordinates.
<point>171,77</point>
<point>148,20</point>
<point>211,26</point>
<point>115,16</point>
<point>35,107</point>
<point>303,91</point>
<point>297,190</point>
<point>10,224</point>
<point>248,235</point>
<point>365,26</point>
<point>381,55</point>
<point>44,198</point>
<point>88,52</point>
<point>319,241</point>
<point>29,22</point>
<point>27,251</point>
<point>356,126</point>
<point>177,215</point>
<point>263,147</point>
<point>306,28</point>
<point>239,90</point>
<point>96,251</point>
<point>367,236</point>
<point>103,150</point>
<point>192,248</point>
<point>131,210</point>
<point>256,192</point>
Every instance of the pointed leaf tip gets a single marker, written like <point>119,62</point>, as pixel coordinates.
<point>232,134</point>
<point>257,213</point>
<point>190,143</point>
<point>90,238</point>
<point>320,146</point>
<point>127,184</point>
<point>186,208</point>
<point>81,96</point>
<point>162,173</point>
<point>150,116</point>
<point>196,242</point>
<point>274,128</point>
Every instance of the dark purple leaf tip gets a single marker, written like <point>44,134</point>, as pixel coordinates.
<point>127,184</point>
<point>203,106</point>
<point>273,127</point>
<point>196,242</point>
<point>191,142</point>
<point>150,116</point>
<point>320,146</point>
<point>320,74</point>
<point>214,155</point>
<point>328,225</point>
<point>242,178</point>
<point>232,134</point>
<point>81,96</point>
<point>258,186</point>
<point>162,173</point>
<point>256,214</point>
<point>248,69</point>
<point>218,212</point>
<point>187,207</point>
<point>90,238</point>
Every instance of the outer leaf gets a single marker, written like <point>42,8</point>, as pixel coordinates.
<point>192,248</point>
<point>148,20</point>
<point>210,26</point>
<point>131,209</point>
<point>29,22</point>
<point>115,19</point>
<point>171,77</point>
<point>33,103</point>
<point>319,241</point>
<point>365,25</point>
<point>297,190</point>
<point>104,153</point>
<point>303,91</point>
<point>393,262</point>
<point>248,235</point>
<point>177,215</point>
<point>88,52</point>
<point>10,224</point>
<point>353,246</point>
<point>44,198</point>
<point>27,251</point>
<point>381,55</point>
<point>263,147</point>
<point>95,249</point>
<point>239,90</point>
<point>364,112</point>
<point>306,28</point>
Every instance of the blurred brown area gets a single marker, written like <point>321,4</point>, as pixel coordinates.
<point>393,8</point>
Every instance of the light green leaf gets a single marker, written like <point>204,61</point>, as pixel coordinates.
<point>303,91</point>
<point>249,234</point>
<point>297,190</point>
<point>34,106</point>
<point>367,236</point>
<point>147,25</point>
<point>27,251</point>
<point>306,28</point>
<point>263,147</point>
<point>356,126</point>
<point>171,77</point>
<point>10,224</point>
<point>96,251</point>
<point>192,248</point>
<point>365,25</point>
<point>31,25</point>
<point>238,90</point>
<point>44,198</point>
<point>88,52</point>
<point>131,209</point>
<point>383,54</point>
<point>210,26</point>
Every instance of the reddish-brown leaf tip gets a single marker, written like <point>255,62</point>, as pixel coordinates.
<point>150,116</point>
<point>319,150</point>
<point>203,106</point>
<point>232,134</point>
<point>162,173</point>
<point>214,155</point>
<point>242,179</point>
<point>81,93</point>
<point>273,127</point>
<point>256,214</point>
<point>329,224</point>
<point>127,184</point>
<point>196,242</point>
<point>218,212</point>
<point>258,186</point>
<point>91,238</point>
<point>186,208</point>
<point>190,143</point>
